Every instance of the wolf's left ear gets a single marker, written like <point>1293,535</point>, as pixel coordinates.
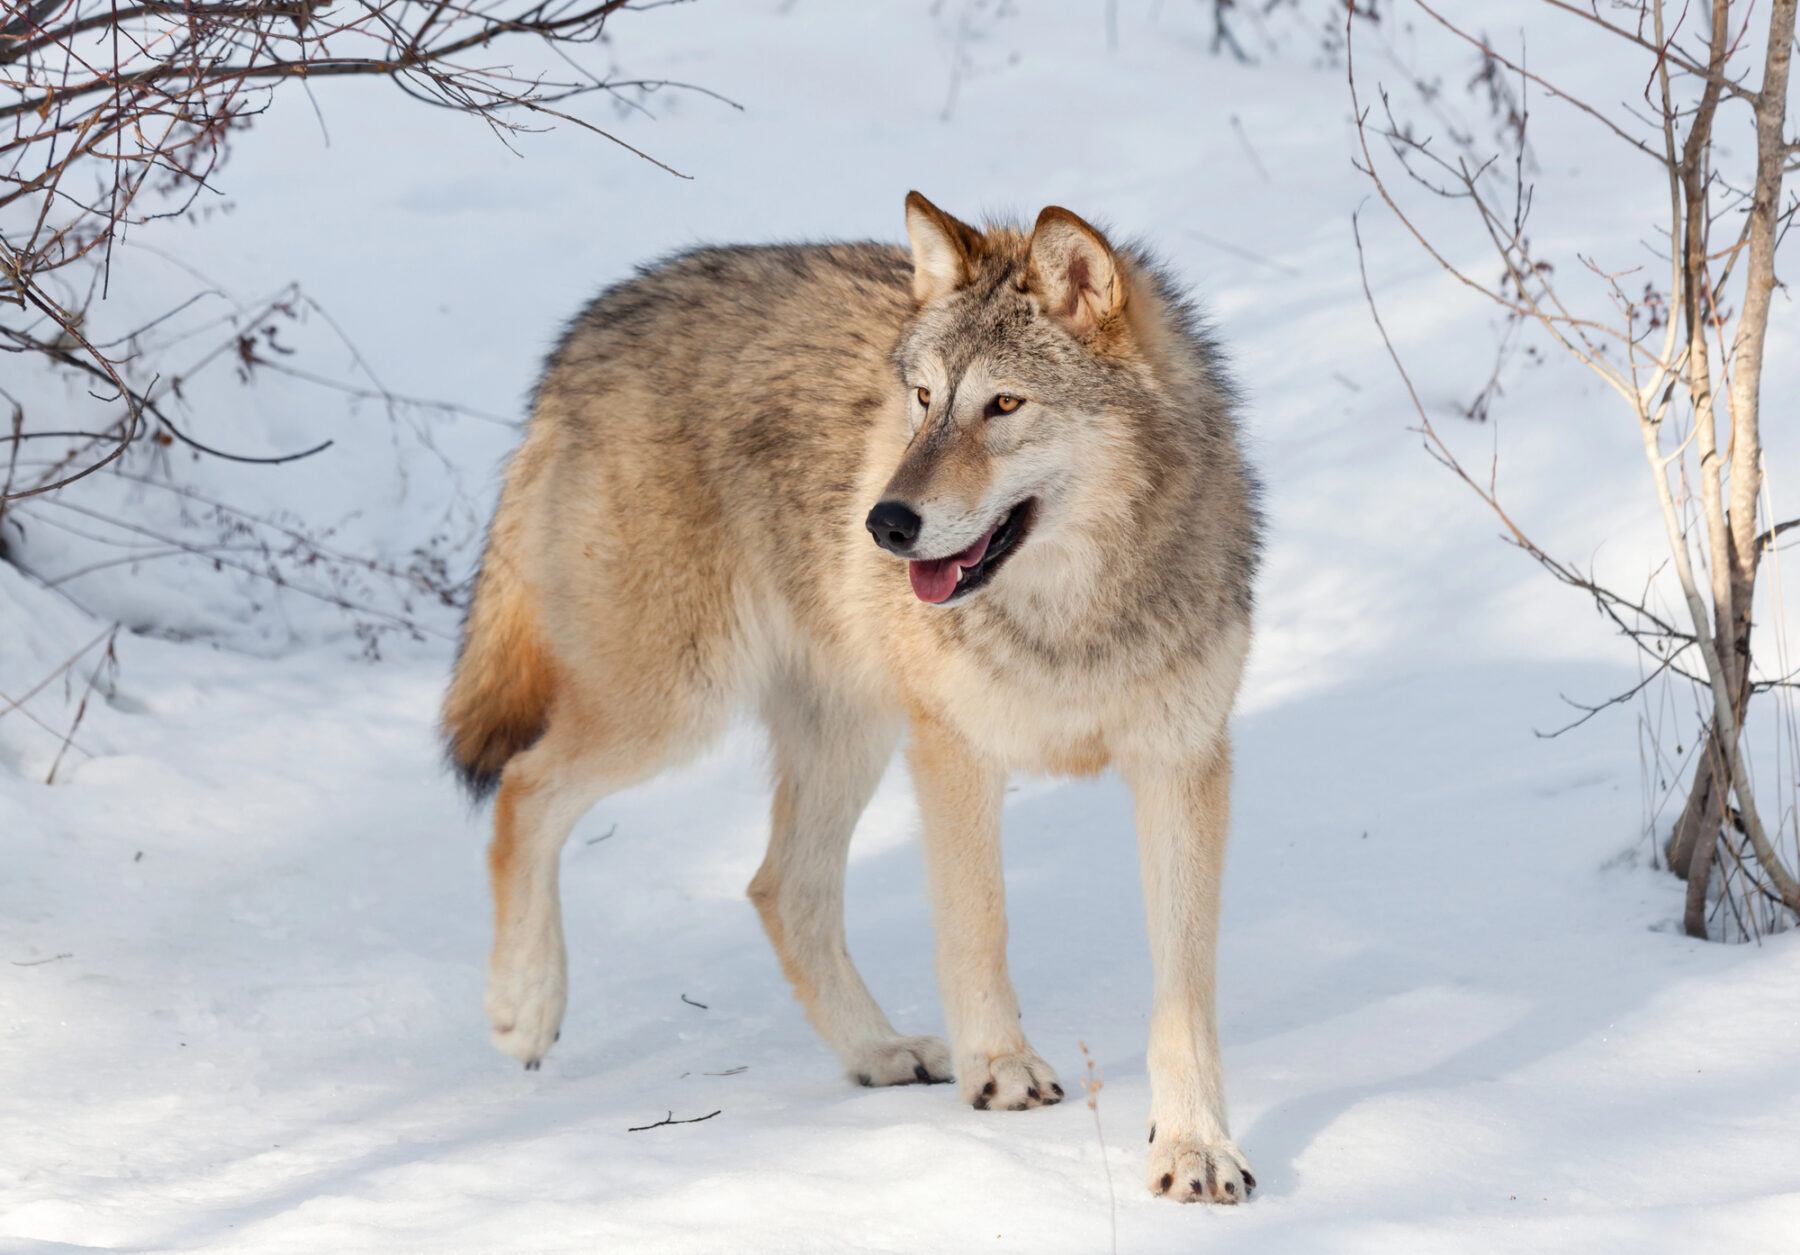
<point>1074,272</point>
<point>944,250</point>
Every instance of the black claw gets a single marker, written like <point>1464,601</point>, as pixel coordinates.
<point>1231,1188</point>
<point>1249,1183</point>
<point>1153,1133</point>
<point>1031,1092</point>
<point>1056,1089</point>
<point>1195,1186</point>
<point>923,1076</point>
<point>981,1103</point>
<point>558,1036</point>
<point>531,1065</point>
<point>1167,1181</point>
<point>865,1080</point>
<point>988,1090</point>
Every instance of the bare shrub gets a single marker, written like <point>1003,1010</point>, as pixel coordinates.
<point>1683,360</point>
<point>116,116</point>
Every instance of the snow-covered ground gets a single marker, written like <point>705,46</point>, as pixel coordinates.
<point>242,936</point>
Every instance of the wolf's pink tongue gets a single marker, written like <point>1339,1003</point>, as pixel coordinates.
<point>934,581</point>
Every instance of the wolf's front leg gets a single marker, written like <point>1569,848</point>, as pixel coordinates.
<point>960,794</point>
<point>1183,811</point>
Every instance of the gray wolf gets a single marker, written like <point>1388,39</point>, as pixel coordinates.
<point>986,495</point>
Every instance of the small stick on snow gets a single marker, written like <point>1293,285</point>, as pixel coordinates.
<point>1246,254</point>
<point>1249,148</point>
<point>40,962</point>
<point>1093,1084</point>
<point>692,1003</point>
<point>670,1119</point>
<point>106,659</point>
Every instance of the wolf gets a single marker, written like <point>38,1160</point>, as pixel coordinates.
<point>986,495</point>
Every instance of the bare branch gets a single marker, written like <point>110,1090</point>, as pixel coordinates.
<point>670,1119</point>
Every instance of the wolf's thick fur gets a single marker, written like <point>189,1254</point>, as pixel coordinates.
<point>686,529</point>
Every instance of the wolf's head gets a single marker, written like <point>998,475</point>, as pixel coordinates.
<point>1022,368</point>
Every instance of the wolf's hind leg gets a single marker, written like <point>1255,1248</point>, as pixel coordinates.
<point>543,792</point>
<point>829,756</point>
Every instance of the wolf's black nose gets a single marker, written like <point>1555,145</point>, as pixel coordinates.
<point>894,526</point>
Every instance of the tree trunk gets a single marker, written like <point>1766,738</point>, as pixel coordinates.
<point>1701,814</point>
<point>1733,548</point>
<point>1702,835</point>
<point>1700,817</point>
<point>1699,878</point>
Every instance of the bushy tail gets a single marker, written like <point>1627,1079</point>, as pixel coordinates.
<point>499,699</point>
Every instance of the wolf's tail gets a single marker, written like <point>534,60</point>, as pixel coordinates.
<point>499,699</point>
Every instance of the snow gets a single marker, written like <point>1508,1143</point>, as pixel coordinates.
<point>244,932</point>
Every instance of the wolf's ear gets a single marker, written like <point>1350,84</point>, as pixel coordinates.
<point>1073,271</point>
<point>944,250</point>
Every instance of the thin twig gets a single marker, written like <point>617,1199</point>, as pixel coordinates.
<point>1092,1084</point>
<point>39,962</point>
<point>109,658</point>
<point>670,1119</point>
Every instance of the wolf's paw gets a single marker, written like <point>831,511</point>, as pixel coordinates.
<point>525,1003</point>
<point>1008,1082</point>
<point>1191,1171</point>
<point>901,1061</point>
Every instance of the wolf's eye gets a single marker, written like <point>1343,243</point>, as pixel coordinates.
<point>1004,404</point>
<point>924,395</point>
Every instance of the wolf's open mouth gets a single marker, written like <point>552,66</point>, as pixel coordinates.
<point>943,580</point>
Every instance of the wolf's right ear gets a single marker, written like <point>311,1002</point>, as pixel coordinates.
<point>1074,271</point>
<point>944,250</point>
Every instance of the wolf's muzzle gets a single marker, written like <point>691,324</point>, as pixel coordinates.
<point>894,526</point>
